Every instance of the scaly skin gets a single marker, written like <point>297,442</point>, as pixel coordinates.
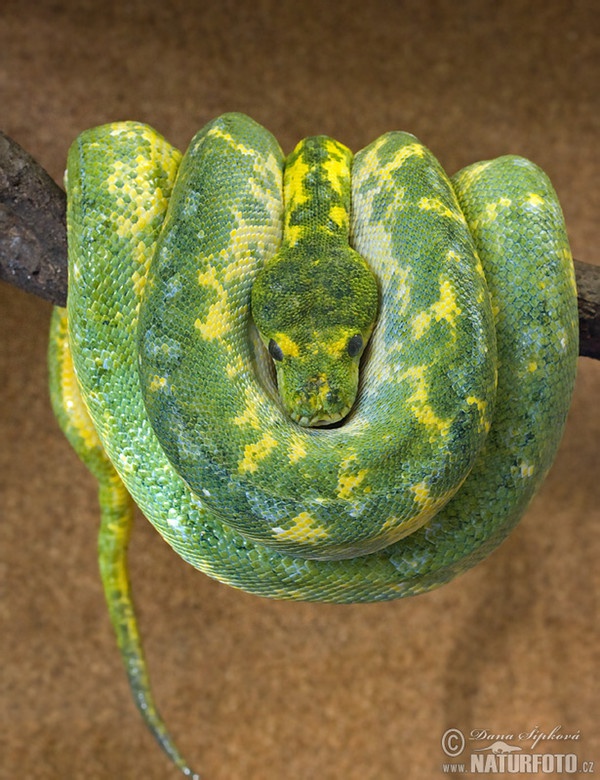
<point>312,494</point>
<point>315,302</point>
<point>464,387</point>
<point>115,527</point>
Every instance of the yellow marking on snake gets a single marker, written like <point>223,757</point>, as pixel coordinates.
<point>349,478</point>
<point>336,165</point>
<point>397,203</point>
<point>150,200</point>
<point>430,419</point>
<point>254,453</point>
<point>339,215</point>
<point>297,451</point>
<point>338,347</point>
<point>421,492</point>
<point>139,279</point>
<point>273,205</point>
<point>295,193</point>
<point>435,204</point>
<point>385,169</point>
<point>421,323</point>
<point>250,414</point>
<point>293,234</point>
<point>482,408</point>
<point>347,483</point>
<point>304,529</point>
<point>474,172</point>
<point>445,308</point>
<point>535,200</point>
<point>393,531</point>
<point>243,262</point>
<point>418,403</point>
<point>217,132</point>
<point>72,400</point>
<point>489,213</point>
<point>158,383</point>
<point>429,504</point>
<point>403,289</point>
<point>233,369</point>
<point>367,202</point>
<point>288,345</point>
<point>217,323</point>
<point>527,470</point>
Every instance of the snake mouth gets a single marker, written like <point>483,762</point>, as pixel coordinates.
<point>320,418</point>
<point>317,403</point>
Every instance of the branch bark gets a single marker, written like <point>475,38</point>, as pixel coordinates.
<point>33,241</point>
<point>588,300</point>
<point>33,233</point>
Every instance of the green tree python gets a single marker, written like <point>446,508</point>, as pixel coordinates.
<point>328,377</point>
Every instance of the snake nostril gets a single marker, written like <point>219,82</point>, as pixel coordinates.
<point>333,397</point>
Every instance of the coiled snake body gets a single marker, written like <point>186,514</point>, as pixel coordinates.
<point>419,467</point>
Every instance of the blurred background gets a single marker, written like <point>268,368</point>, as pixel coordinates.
<point>250,688</point>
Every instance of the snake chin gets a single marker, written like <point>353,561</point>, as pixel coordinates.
<point>318,400</point>
<point>321,418</point>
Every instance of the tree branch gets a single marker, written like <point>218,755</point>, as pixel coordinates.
<point>33,235</point>
<point>33,241</point>
<point>588,301</point>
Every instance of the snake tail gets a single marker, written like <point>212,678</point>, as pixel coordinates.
<point>116,518</point>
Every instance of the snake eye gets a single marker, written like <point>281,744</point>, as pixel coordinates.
<point>275,350</point>
<point>355,344</point>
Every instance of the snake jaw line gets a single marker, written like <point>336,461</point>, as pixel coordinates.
<point>320,418</point>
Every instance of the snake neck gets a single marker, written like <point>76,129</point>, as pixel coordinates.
<point>316,192</point>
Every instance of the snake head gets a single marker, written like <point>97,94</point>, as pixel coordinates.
<point>317,376</point>
<point>315,314</point>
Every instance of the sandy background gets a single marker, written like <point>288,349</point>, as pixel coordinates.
<point>250,688</point>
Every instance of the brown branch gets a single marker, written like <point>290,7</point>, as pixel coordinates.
<point>33,237</point>
<point>588,301</point>
<point>33,241</point>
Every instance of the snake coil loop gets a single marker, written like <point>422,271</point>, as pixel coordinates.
<point>465,385</point>
<point>168,393</point>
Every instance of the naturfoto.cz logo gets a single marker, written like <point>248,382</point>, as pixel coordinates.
<point>497,753</point>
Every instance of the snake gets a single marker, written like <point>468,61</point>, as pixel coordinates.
<point>324,377</point>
